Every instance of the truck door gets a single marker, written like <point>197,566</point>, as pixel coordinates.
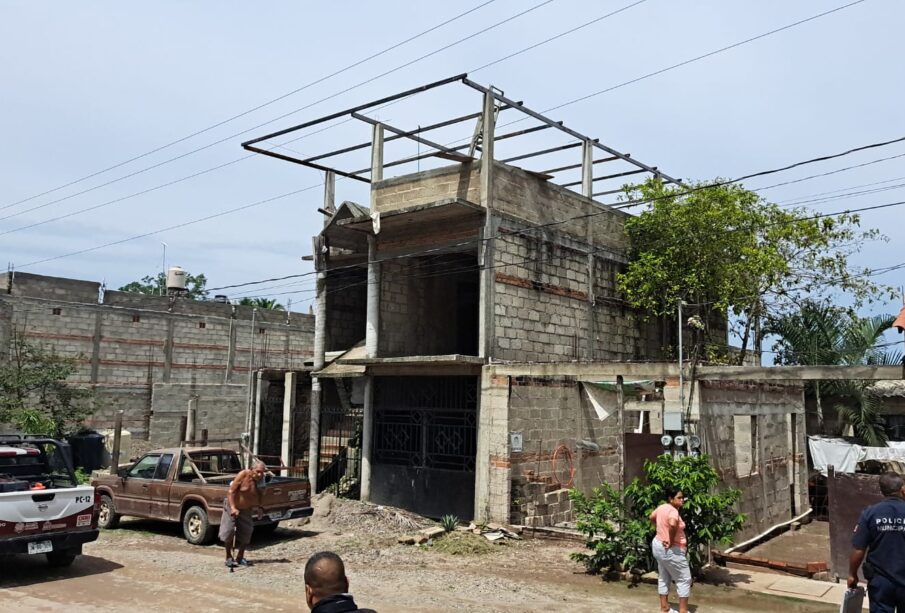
<point>135,498</point>
<point>160,489</point>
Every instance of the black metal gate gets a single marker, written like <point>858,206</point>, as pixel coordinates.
<point>425,443</point>
<point>340,450</point>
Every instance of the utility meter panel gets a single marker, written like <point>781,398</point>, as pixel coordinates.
<point>672,421</point>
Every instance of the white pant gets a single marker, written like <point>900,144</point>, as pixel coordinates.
<point>672,566</point>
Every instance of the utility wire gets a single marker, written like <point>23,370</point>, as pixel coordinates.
<point>285,115</point>
<point>282,145</point>
<point>258,107</point>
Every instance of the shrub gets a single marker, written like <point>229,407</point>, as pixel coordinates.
<point>449,522</point>
<point>617,524</point>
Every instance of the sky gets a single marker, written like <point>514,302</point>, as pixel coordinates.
<point>88,85</point>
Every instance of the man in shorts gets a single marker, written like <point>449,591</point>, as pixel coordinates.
<point>236,524</point>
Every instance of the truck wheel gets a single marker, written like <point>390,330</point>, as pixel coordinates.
<point>266,529</point>
<point>197,527</point>
<point>60,559</point>
<point>107,517</point>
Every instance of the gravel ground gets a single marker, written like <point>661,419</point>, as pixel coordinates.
<point>147,566</point>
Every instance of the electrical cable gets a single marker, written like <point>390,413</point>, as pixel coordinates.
<point>258,107</point>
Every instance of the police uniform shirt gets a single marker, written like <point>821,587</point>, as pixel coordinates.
<point>881,530</point>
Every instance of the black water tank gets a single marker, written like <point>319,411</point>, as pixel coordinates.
<point>87,450</point>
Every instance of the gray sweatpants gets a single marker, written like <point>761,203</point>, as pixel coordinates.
<point>672,565</point>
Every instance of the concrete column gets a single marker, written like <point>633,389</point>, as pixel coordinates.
<point>230,350</point>
<point>96,346</point>
<point>314,420</point>
<point>587,169</point>
<point>288,425</point>
<point>329,194</point>
<point>587,190</point>
<point>367,439</point>
<point>260,391</point>
<point>620,436</point>
<point>168,351</point>
<point>191,416</point>
<point>487,275</point>
<point>372,316</point>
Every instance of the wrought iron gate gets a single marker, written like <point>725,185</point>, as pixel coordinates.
<point>340,450</point>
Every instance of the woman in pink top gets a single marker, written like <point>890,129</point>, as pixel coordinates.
<point>669,550</point>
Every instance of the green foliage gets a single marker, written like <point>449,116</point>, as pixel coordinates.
<point>449,522</point>
<point>618,527</point>
<point>34,395</point>
<point>82,476</point>
<point>822,334</point>
<point>727,248</point>
<point>262,303</point>
<point>152,285</point>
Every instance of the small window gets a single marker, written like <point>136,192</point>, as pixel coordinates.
<point>746,448</point>
<point>202,324</point>
<point>261,330</point>
<point>57,311</point>
<point>136,319</point>
<point>145,467</point>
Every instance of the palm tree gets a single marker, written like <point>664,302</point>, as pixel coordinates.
<point>820,334</point>
<point>262,303</point>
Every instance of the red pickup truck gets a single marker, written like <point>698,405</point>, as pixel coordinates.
<point>188,485</point>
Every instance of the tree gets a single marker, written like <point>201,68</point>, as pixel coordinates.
<point>822,334</point>
<point>151,285</point>
<point>262,303</point>
<point>617,524</point>
<point>34,394</point>
<point>725,249</point>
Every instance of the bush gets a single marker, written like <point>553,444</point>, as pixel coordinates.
<point>449,522</point>
<point>618,527</point>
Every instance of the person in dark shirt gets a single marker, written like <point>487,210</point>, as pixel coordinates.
<point>880,534</point>
<point>326,585</point>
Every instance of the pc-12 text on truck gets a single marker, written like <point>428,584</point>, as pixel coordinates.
<point>43,509</point>
<point>188,485</point>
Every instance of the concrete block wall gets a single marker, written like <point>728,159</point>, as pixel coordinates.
<point>460,181</point>
<point>130,342</point>
<point>541,303</point>
<point>346,309</point>
<point>220,409</point>
<point>778,475</point>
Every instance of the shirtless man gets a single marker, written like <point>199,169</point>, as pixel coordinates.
<point>236,525</point>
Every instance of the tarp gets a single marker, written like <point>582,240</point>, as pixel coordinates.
<point>844,456</point>
<point>600,394</point>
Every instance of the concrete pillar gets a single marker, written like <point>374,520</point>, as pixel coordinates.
<point>367,439</point>
<point>587,190</point>
<point>168,351</point>
<point>191,416</point>
<point>487,275</point>
<point>96,346</point>
<point>288,425</point>
<point>260,391</point>
<point>587,169</point>
<point>372,316</point>
<point>314,420</point>
<point>230,350</point>
<point>329,194</point>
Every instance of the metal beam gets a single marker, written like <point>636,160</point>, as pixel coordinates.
<point>618,174</point>
<point>288,158</point>
<point>574,166</point>
<point>560,126</point>
<point>541,152</point>
<point>360,107</point>
<point>410,135</point>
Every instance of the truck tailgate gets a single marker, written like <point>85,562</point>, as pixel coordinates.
<point>46,511</point>
<point>284,493</point>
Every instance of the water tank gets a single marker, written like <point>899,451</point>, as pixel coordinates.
<point>221,298</point>
<point>175,279</point>
<point>87,450</point>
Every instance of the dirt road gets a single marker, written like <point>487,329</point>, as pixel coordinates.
<point>146,566</point>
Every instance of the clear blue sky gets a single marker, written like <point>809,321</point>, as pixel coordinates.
<point>89,84</point>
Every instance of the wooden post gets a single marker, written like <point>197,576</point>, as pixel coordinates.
<point>620,440</point>
<point>204,437</point>
<point>117,439</point>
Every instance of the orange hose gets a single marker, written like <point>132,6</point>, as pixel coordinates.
<point>566,453</point>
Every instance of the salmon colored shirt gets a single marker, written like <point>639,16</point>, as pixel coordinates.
<point>664,513</point>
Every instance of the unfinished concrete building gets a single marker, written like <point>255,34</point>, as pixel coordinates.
<point>448,272</point>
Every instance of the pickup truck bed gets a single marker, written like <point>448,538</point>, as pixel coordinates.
<point>42,508</point>
<point>188,485</point>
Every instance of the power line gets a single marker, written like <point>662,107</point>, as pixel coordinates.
<point>282,145</point>
<point>256,108</point>
<point>290,113</point>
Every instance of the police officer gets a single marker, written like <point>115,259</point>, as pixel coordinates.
<point>880,534</point>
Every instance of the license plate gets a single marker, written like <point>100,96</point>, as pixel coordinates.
<point>40,547</point>
<point>276,516</point>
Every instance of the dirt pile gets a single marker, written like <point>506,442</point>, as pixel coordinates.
<point>332,513</point>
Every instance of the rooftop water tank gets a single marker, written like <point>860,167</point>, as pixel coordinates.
<point>175,279</point>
